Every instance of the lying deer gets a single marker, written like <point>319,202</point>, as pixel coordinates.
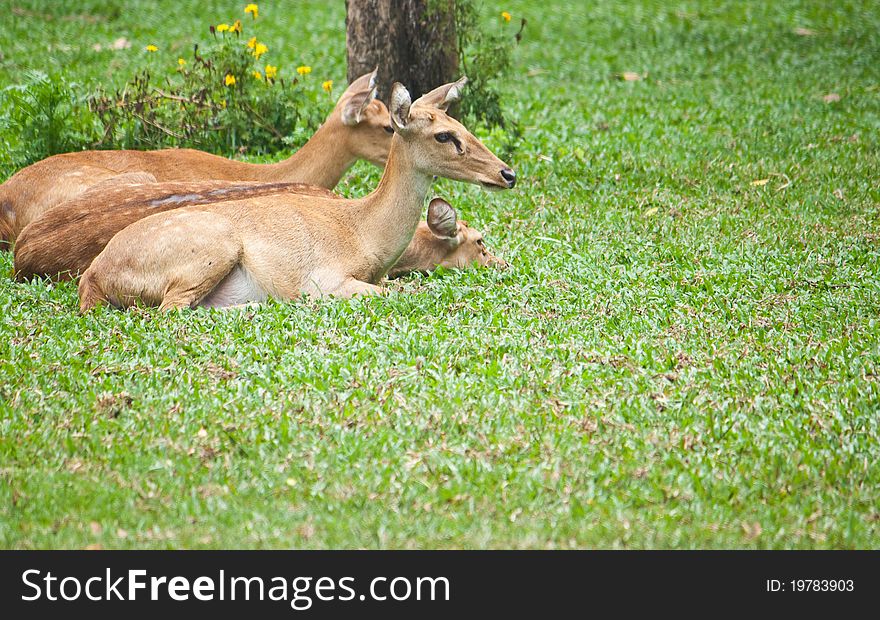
<point>63,242</point>
<point>357,128</point>
<point>283,246</point>
<point>443,241</point>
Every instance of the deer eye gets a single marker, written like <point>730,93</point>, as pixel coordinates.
<point>443,137</point>
<point>388,129</point>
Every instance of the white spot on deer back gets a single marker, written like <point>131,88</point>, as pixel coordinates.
<point>175,199</point>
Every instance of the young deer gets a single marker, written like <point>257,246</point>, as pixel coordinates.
<point>357,128</point>
<point>64,241</point>
<point>444,241</point>
<point>244,251</point>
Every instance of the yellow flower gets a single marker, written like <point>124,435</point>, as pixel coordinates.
<point>304,70</point>
<point>181,61</point>
<point>152,48</point>
<point>505,16</point>
<point>253,9</point>
<point>252,42</point>
<point>230,79</point>
<point>328,85</point>
<point>222,27</point>
<point>260,49</point>
<point>271,72</point>
<point>258,75</point>
<point>236,27</point>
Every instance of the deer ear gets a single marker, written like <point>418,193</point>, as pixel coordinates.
<point>357,98</point>
<point>442,219</point>
<point>443,96</point>
<point>365,82</point>
<point>399,107</point>
<point>354,109</point>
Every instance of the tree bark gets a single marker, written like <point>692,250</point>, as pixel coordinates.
<point>411,41</point>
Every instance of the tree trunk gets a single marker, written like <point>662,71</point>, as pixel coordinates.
<point>409,42</point>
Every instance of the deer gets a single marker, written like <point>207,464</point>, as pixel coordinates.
<point>445,241</point>
<point>62,243</point>
<point>284,246</point>
<point>357,128</point>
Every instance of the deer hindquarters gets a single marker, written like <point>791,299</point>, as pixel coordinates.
<point>171,260</point>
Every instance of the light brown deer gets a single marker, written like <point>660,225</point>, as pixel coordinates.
<point>444,241</point>
<point>358,128</point>
<point>63,242</point>
<point>283,246</point>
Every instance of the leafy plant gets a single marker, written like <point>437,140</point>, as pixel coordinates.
<point>224,99</point>
<point>43,116</point>
<point>484,55</point>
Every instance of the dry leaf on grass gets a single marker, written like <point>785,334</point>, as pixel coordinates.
<point>629,76</point>
<point>760,182</point>
<point>805,32</point>
<point>831,98</point>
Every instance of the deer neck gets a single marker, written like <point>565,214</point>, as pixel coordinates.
<point>321,161</point>
<point>387,218</point>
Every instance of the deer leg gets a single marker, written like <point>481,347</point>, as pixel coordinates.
<point>188,292</point>
<point>351,287</point>
<point>199,272</point>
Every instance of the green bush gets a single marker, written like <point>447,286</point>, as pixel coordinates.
<point>225,98</point>
<point>42,116</point>
<point>484,56</point>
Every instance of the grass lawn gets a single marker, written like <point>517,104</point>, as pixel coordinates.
<point>685,352</point>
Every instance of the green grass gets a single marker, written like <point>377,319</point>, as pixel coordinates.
<point>677,358</point>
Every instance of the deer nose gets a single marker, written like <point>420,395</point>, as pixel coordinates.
<point>510,176</point>
<point>499,263</point>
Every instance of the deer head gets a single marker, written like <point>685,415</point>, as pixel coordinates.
<point>437,144</point>
<point>445,241</point>
<point>369,135</point>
